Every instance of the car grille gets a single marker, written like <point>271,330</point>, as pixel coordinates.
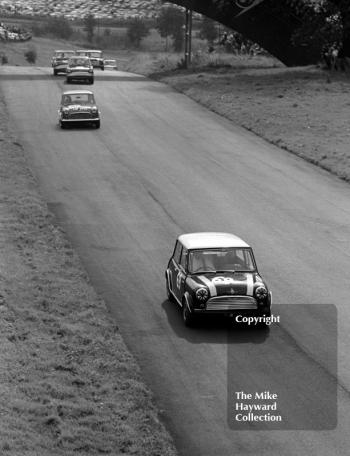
<point>231,303</point>
<point>81,115</point>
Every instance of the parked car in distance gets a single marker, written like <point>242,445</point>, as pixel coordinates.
<point>110,64</point>
<point>95,56</point>
<point>215,273</point>
<point>79,68</point>
<point>59,61</point>
<point>78,106</point>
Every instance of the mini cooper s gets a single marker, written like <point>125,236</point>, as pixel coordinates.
<point>215,273</point>
<point>78,106</point>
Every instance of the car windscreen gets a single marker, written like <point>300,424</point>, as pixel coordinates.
<point>95,54</point>
<point>223,259</point>
<point>78,98</point>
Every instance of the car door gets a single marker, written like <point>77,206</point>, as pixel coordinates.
<point>174,267</point>
<point>181,276</point>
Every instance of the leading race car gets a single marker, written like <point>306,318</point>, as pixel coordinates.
<point>78,106</point>
<point>215,273</point>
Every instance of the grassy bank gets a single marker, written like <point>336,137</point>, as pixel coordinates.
<point>68,384</point>
<point>303,110</point>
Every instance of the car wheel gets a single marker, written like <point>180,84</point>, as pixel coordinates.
<point>55,72</point>
<point>97,123</point>
<point>68,80</point>
<point>187,317</point>
<point>91,81</point>
<point>62,125</point>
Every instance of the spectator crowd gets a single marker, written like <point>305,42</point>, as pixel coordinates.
<point>13,33</point>
<point>76,9</point>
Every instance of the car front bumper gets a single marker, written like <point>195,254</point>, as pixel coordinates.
<point>79,120</point>
<point>80,75</point>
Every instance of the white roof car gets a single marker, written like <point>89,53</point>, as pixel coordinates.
<point>213,273</point>
<point>207,240</point>
<point>110,64</point>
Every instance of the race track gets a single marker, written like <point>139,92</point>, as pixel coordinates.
<point>161,165</point>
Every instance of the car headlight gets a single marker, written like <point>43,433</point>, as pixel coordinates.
<point>202,294</point>
<point>261,292</point>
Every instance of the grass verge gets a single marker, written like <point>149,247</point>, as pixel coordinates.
<point>303,110</point>
<point>68,385</point>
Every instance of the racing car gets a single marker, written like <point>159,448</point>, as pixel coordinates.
<point>212,273</point>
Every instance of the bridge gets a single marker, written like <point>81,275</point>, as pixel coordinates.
<point>269,23</point>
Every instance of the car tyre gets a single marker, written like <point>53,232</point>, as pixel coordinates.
<point>68,80</point>
<point>187,317</point>
<point>62,125</point>
<point>91,81</point>
<point>97,123</point>
<point>55,72</point>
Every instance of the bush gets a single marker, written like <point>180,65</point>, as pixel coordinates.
<point>31,55</point>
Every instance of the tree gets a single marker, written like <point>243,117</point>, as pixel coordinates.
<point>170,22</point>
<point>89,26</point>
<point>208,30</point>
<point>343,8</point>
<point>137,30</point>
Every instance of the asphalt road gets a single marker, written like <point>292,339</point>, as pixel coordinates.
<point>159,166</point>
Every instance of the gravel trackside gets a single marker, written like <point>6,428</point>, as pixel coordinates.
<point>68,385</point>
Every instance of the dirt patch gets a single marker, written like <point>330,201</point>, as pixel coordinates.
<point>303,110</point>
<point>68,385</point>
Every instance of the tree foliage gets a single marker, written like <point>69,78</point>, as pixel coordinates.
<point>170,22</point>
<point>89,26</point>
<point>137,30</point>
<point>323,22</point>
<point>208,30</point>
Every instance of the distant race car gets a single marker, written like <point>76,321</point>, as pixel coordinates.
<point>79,68</point>
<point>111,64</point>
<point>215,273</point>
<point>59,61</point>
<point>78,106</point>
<point>95,56</point>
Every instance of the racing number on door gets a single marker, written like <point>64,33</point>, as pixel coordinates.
<point>178,280</point>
